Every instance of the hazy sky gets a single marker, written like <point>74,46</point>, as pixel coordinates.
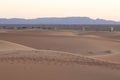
<point>107,9</point>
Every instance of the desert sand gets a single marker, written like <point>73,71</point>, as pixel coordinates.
<point>59,55</point>
<point>112,58</point>
<point>9,46</point>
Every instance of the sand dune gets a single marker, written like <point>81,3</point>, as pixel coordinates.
<point>63,33</point>
<point>46,65</point>
<point>52,56</point>
<point>55,72</point>
<point>61,55</point>
<point>78,44</point>
<point>5,46</point>
<point>112,58</point>
<point>110,36</point>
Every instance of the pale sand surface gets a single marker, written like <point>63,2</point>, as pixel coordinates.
<point>112,58</point>
<point>81,43</point>
<point>5,46</point>
<point>56,72</point>
<point>53,65</point>
<point>59,55</point>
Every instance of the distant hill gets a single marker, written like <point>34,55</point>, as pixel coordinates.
<point>53,20</point>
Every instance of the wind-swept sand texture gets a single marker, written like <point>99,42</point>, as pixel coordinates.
<point>54,65</point>
<point>62,55</point>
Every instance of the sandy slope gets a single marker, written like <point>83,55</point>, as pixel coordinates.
<point>110,36</point>
<point>112,58</point>
<point>55,72</point>
<point>54,65</point>
<point>5,46</point>
<point>18,62</point>
<point>92,44</point>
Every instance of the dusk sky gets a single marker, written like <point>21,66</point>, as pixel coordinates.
<point>106,9</point>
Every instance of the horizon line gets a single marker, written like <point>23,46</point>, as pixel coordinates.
<point>58,17</point>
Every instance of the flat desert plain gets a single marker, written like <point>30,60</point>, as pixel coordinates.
<point>59,55</point>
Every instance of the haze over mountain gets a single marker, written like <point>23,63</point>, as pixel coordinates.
<point>55,20</point>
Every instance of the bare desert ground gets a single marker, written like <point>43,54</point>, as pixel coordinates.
<point>59,55</point>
